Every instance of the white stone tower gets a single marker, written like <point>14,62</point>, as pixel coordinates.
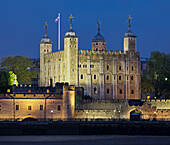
<point>71,55</point>
<point>45,48</point>
<point>129,40</point>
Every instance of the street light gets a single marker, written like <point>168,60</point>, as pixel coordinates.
<point>86,115</point>
<point>119,114</point>
<point>52,115</point>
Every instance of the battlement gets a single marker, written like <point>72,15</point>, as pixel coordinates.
<point>110,52</point>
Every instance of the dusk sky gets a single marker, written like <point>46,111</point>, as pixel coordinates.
<point>22,22</point>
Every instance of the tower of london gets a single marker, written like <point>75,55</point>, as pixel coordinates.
<point>101,73</point>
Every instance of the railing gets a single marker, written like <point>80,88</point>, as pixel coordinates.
<point>80,119</point>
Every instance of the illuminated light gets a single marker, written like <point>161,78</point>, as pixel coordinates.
<point>48,91</point>
<point>166,79</point>
<point>51,111</point>
<point>29,91</point>
<point>8,90</point>
<point>148,97</point>
<point>155,112</point>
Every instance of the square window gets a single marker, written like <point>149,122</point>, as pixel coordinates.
<point>17,107</point>
<point>29,107</point>
<point>58,108</point>
<point>41,107</point>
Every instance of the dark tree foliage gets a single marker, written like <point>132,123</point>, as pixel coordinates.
<point>4,85</point>
<point>157,76</point>
<point>19,65</point>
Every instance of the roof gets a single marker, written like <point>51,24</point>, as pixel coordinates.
<point>98,37</point>
<point>129,33</point>
<point>46,39</point>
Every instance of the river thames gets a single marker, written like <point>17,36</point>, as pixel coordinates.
<point>84,140</point>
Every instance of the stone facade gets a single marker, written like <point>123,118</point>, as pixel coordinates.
<point>43,106</point>
<point>102,74</point>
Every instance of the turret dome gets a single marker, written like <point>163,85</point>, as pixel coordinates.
<point>98,37</point>
<point>129,33</point>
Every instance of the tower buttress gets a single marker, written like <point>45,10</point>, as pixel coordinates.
<point>45,48</point>
<point>129,39</point>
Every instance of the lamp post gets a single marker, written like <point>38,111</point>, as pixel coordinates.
<point>86,115</point>
<point>52,115</point>
<point>119,115</point>
<point>162,115</point>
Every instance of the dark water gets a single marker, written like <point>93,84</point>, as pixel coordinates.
<point>85,140</point>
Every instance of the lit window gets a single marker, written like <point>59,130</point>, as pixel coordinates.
<point>107,91</point>
<point>81,76</point>
<point>95,77</point>
<point>95,90</point>
<point>132,91</point>
<point>120,68</point>
<point>29,107</point>
<point>41,107</point>
<point>107,77</point>
<point>119,77</point>
<point>17,107</point>
<point>132,68</point>
<point>132,78</point>
<point>58,108</point>
<point>120,91</point>
<point>107,67</point>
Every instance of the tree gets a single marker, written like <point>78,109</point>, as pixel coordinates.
<point>19,65</point>
<point>157,76</point>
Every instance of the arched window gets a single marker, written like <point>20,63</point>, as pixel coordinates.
<point>94,77</point>
<point>107,91</point>
<point>107,67</point>
<point>120,78</point>
<point>96,49</point>
<point>120,91</point>
<point>132,68</point>
<point>132,78</point>
<point>81,76</point>
<point>107,77</point>
<point>120,68</point>
<point>95,90</point>
<point>132,91</point>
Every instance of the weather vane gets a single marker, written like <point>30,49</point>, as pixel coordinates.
<point>98,22</point>
<point>45,25</point>
<point>71,19</point>
<point>129,20</point>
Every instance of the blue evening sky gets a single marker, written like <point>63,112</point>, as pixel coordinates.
<point>22,22</point>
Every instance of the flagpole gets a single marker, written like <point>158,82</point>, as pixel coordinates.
<point>59,32</point>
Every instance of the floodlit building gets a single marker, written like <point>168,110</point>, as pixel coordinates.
<point>102,74</point>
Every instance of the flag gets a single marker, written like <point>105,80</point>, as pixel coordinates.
<point>57,19</point>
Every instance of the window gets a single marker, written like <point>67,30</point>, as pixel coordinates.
<point>94,77</point>
<point>75,46</point>
<point>132,91</point>
<point>102,43</point>
<point>132,68</point>
<point>70,45</point>
<point>73,70</point>
<point>68,106</point>
<point>127,68</point>
<point>47,50</point>
<point>58,108</point>
<point>96,49</point>
<point>107,91</point>
<point>107,67</point>
<point>70,39</point>
<point>120,68</point>
<point>84,65</point>
<point>79,65</point>
<point>127,77</point>
<point>44,50</point>
<point>17,107</point>
<point>107,77</point>
<point>114,77</point>
<point>132,78</point>
<point>91,66</point>
<point>95,90</point>
<point>120,91</point>
<point>41,107</point>
<point>81,76</point>
<point>96,43</point>
<point>119,77</point>
<point>29,107</point>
